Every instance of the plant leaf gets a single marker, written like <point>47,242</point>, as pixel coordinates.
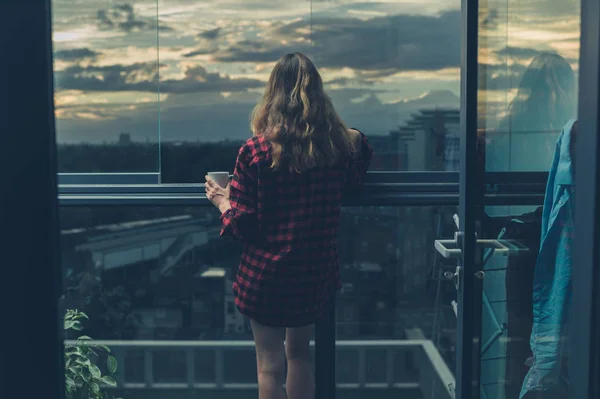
<point>77,354</point>
<point>86,375</point>
<point>95,387</point>
<point>111,363</point>
<point>93,352</point>
<point>70,382</point>
<point>75,369</point>
<point>109,381</point>
<point>81,315</point>
<point>96,373</point>
<point>103,347</point>
<point>84,362</point>
<point>69,324</point>
<point>77,326</point>
<point>84,338</point>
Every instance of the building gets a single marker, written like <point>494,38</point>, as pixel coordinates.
<point>427,137</point>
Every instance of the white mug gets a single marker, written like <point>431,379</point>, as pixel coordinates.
<point>221,178</point>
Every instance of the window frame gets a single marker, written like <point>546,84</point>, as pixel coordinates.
<point>31,283</point>
<point>584,359</point>
<point>423,190</point>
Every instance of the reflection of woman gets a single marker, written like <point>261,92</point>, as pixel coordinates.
<point>284,205</point>
<point>545,101</point>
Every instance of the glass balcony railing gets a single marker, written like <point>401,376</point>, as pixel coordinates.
<point>156,285</point>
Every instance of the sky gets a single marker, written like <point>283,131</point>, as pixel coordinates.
<point>183,70</point>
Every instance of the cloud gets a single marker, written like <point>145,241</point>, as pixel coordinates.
<point>144,77</point>
<point>207,43</point>
<point>122,17</point>
<point>200,51</point>
<point>392,43</point>
<point>110,78</point>
<point>490,18</point>
<point>496,77</point>
<point>198,79</point>
<point>254,51</point>
<point>76,54</point>
<point>210,34</point>
<point>342,81</point>
<point>500,76</point>
<point>213,117</point>
<point>521,53</point>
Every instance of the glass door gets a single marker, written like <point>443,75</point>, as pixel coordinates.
<point>465,247</point>
<point>515,223</point>
<point>527,101</point>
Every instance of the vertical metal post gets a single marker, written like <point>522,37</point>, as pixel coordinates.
<point>325,354</point>
<point>31,353</point>
<point>190,361</point>
<point>471,201</point>
<point>119,354</point>
<point>148,368</point>
<point>219,367</point>
<point>389,370</point>
<point>584,350</point>
<point>362,367</point>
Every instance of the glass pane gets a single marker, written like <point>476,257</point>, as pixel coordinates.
<point>106,82</point>
<point>396,324</point>
<point>391,68</point>
<point>528,58</point>
<point>214,67</point>
<point>156,286</point>
<point>529,55</point>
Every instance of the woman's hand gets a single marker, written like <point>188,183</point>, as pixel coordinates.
<point>218,195</point>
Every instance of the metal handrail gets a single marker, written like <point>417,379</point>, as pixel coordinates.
<point>429,356</point>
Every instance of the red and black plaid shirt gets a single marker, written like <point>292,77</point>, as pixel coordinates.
<point>288,223</point>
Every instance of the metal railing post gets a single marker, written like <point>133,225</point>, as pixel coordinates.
<point>219,368</point>
<point>148,368</point>
<point>190,360</point>
<point>325,354</point>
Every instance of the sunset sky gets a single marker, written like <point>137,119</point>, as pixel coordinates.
<point>381,60</point>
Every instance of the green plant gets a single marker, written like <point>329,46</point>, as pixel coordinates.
<point>84,379</point>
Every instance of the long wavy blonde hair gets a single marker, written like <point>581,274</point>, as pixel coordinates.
<point>546,98</point>
<point>298,118</point>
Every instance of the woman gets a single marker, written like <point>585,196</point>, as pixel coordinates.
<point>284,204</point>
<point>544,103</point>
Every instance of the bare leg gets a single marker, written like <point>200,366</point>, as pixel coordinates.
<point>300,382</point>
<point>270,360</point>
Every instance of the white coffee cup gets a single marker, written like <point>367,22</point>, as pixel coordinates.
<point>221,178</point>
